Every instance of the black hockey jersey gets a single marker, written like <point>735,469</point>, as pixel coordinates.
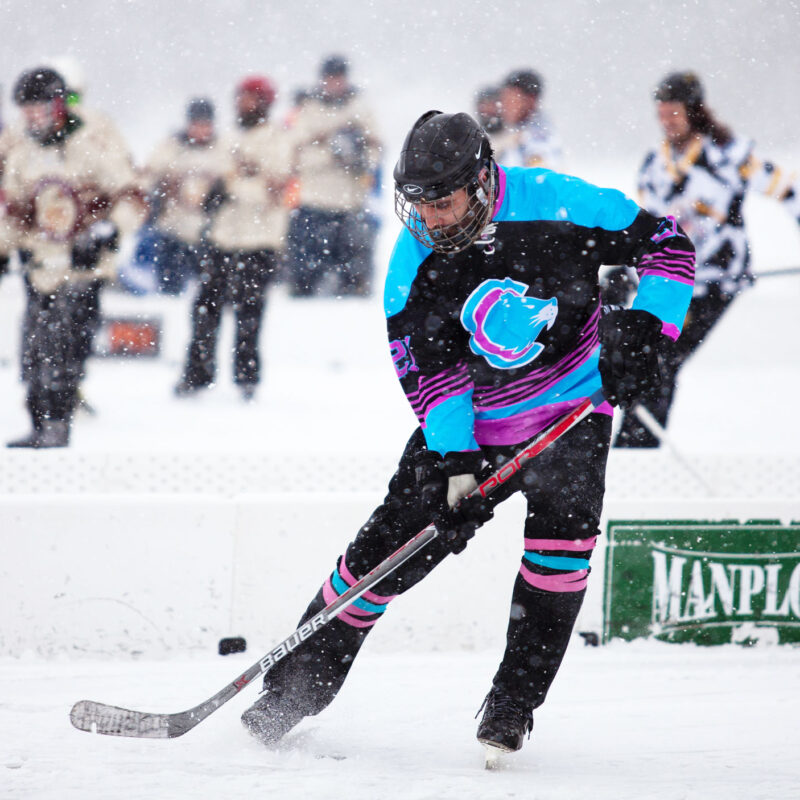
<point>493,343</point>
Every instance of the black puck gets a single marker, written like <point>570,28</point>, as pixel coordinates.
<point>232,644</point>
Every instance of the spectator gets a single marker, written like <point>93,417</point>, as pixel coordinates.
<point>245,239</point>
<point>184,175</point>
<point>527,138</point>
<point>488,108</point>
<point>335,158</point>
<point>71,193</point>
<point>700,176</point>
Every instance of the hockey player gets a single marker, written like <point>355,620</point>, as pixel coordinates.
<point>185,174</point>
<point>527,138</point>
<point>246,234</point>
<point>494,318</point>
<point>71,194</point>
<point>701,175</point>
<point>335,159</point>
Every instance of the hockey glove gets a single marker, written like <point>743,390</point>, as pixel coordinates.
<point>445,502</point>
<point>617,286</point>
<point>349,149</point>
<point>88,247</point>
<point>630,364</point>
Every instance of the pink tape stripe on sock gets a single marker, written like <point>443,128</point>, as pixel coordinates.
<point>577,545</point>
<point>351,581</point>
<point>329,595</point>
<point>569,582</point>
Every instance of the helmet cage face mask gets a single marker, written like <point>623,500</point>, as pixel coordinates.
<point>452,222</point>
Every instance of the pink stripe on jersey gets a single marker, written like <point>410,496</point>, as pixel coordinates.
<point>568,582</point>
<point>686,266</point>
<point>522,426</point>
<point>579,545</point>
<point>435,382</point>
<point>457,386</point>
<point>538,380</point>
<point>673,276</point>
<point>534,383</point>
<point>668,329</point>
<point>501,190</point>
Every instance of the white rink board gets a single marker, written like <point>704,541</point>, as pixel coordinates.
<point>155,575</point>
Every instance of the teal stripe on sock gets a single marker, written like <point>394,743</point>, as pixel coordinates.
<point>341,587</point>
<point>557,562</point>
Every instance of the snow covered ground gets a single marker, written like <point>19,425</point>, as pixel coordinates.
<point>645,720</point>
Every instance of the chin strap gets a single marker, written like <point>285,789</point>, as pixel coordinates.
<point>487,238</point>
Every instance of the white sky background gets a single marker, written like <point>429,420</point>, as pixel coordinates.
<point>143,59</point>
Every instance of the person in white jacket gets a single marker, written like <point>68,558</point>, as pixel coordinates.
<point>245,240</point>
<point>184,174</point>
<point>71,193</point>
<point>527,137</point>
<point>335,158</point>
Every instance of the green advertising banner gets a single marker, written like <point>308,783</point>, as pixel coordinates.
<point>705,582</point>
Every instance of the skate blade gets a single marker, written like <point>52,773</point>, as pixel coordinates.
<point>494,756</point>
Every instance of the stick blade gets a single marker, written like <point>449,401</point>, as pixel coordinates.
<point>86,715</point>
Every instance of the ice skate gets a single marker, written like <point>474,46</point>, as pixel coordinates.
<point>271,717</point>
<point>503,726</point>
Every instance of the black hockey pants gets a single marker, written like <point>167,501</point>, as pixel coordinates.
<point>329,252</point>
<point>564,488</point>
<point>58,330</point>
<point>240,279</point>
<point>704,313</point>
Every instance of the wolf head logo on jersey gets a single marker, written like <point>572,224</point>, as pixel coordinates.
<point>505,324</point>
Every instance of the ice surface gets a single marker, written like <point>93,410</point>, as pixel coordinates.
<point>643,720</point>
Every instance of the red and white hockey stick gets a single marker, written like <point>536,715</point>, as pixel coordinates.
<point>87,715</point>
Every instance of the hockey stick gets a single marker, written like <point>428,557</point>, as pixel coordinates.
<point>657,429</point>
<point>777,273</point>
<point>87,715</point>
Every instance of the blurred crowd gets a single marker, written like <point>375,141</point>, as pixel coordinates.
<point>227,213</point>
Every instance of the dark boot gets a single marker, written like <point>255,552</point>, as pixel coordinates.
<point>31,440</point>
<point>505,722</point>
<point>305,682</point>
<point>52,433</point>
<point>186,389</point>
<point>248,391</point>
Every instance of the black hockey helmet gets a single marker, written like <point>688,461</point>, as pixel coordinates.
<point>442,154</point>
<point>680,87</point>
<point>39,85</point>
